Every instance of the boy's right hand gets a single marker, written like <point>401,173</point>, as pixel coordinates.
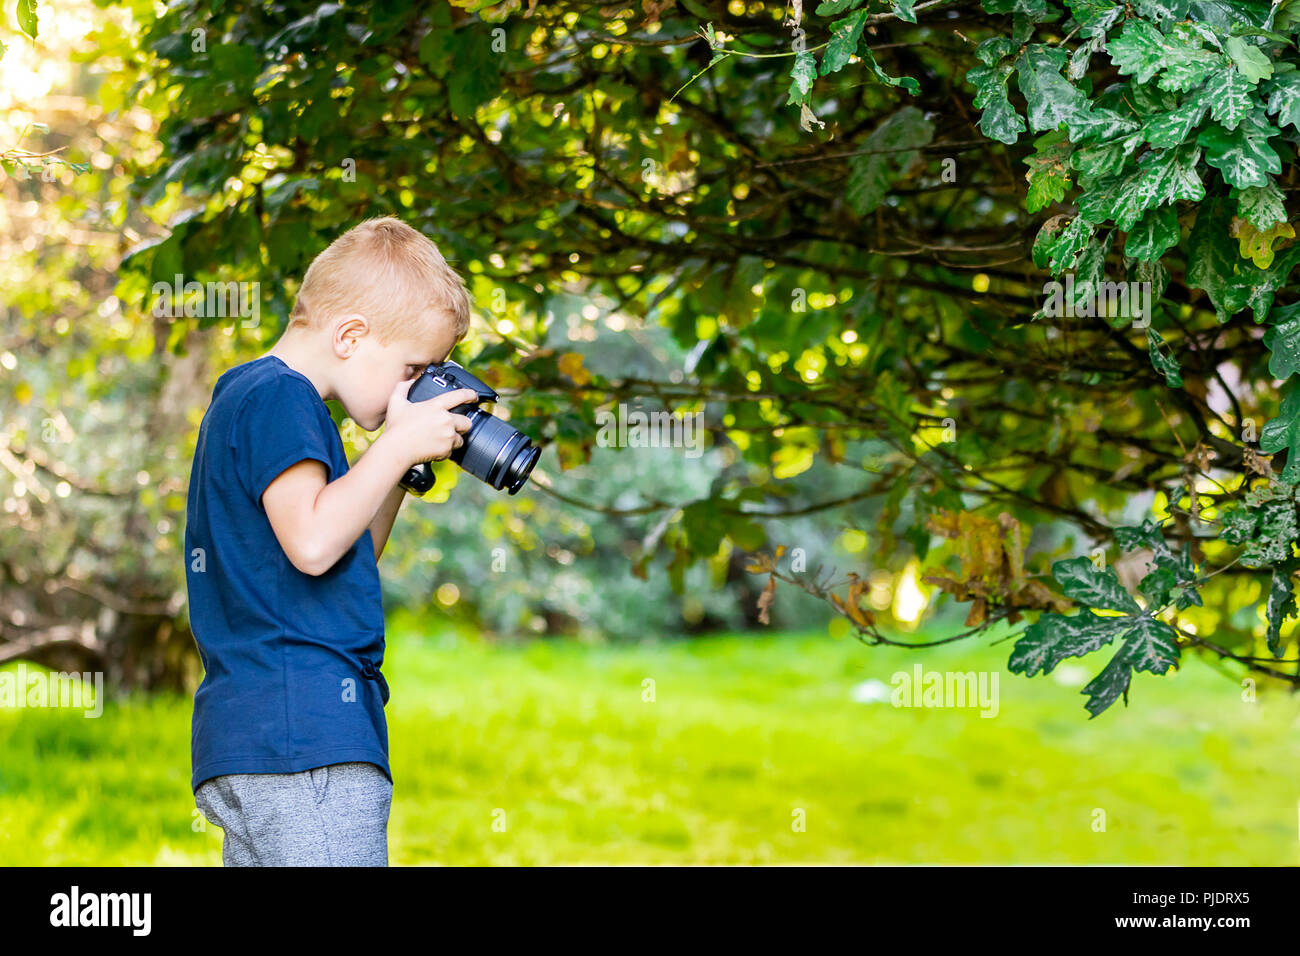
<point>428,430</point>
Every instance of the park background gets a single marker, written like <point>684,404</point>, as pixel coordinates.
<point>519,686</point>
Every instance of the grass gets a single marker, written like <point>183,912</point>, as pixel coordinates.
<point>732,749</point>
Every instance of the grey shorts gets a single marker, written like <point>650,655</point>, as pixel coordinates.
<point>330,816</point>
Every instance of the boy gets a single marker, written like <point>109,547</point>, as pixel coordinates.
<point>289,741</point>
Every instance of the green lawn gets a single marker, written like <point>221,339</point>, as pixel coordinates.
<point>745,736</point>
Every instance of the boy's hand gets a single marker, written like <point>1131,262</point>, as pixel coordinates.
<point>316,523</point>
<point>428,430</point>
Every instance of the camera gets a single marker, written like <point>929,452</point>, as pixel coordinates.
<point>493,451</point>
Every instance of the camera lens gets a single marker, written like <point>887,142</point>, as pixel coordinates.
<point>520,466</point>
<point>496,452</point>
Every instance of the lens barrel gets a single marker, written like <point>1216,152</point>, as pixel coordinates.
<point>496,452</point>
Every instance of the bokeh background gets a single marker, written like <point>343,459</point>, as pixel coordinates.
<point>543,672</point>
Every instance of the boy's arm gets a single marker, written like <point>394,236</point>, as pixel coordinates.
<point>315,522</point>
<point>383,523</point>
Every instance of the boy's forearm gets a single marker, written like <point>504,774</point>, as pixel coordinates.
<point>347,506</point>
<point>383,523</point>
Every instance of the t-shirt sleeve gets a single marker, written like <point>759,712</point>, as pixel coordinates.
<point>278,424</point>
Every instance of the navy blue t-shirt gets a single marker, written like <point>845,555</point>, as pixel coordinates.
<point>292,660</point>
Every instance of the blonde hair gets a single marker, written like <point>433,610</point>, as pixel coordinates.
<point>388,272</point>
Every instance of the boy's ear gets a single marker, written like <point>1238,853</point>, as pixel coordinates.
<point>349,330</point>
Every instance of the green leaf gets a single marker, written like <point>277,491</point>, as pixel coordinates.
<point>1252,63</point>
<point>475,75</point>
<point>746,535</point>
<point>1095,162</point>
<point>832,7</point>
<point>1205,32</point>
<point>1261,206</point>
<point>1049,170</point>
<point>1054,637</point>
<point>1056,247</point>
<point>1212,259</point>
<point>27,17</point>
<point>1229,94</point>
<point>871,175</point>
<point>1161,177</point>
<point>1089,272</point>
<point>1243,154</point>
<point>1286,17</point>
<point>1113,196</point>
<point>1145,535</point>
<point>1187,69</point>
<point>1264,283</point>
<point>1033,10</point>
<point>1157,10</point>
<point>1150,646</point>
<point>1171,571</point>
<point>704,526</point>
<point>1100,124</point>
<point>1153,274</point>
<point>1283,93</point>
<point>1273,536</point>
<point>1257,497</point>
<point>1051,98</point>
<point>1283,432</point>
<point>994,49</point>
<point>1165,176</point>
<point>1224,16</point>
<point>1081,58</point>
<point>1283,342</point>
<point>843,44</point>
<point>802,75</point>
<point>1277,532</point>
<point>1281,603</point>
<point>999,119</point>
<point>1154,233</point>
<point>279,191</point>
<point>1160,583</point>
<point>1139,50</point>
<point>903,10</point>
<point>1046,188</point>
<point>1083,581</point>
<point>1166,365</point>
<point>1147,98</point>
<point>1095,17</point>
<point>906,82</point>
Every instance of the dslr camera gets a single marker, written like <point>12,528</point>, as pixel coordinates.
<point>493,451</point>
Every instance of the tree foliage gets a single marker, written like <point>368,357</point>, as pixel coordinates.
<point>16,159</point>
<point>847,216</point>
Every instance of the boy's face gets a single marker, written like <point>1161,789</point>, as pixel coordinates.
<point>372,370</point>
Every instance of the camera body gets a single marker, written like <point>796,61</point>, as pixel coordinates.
<point>493,451</point>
